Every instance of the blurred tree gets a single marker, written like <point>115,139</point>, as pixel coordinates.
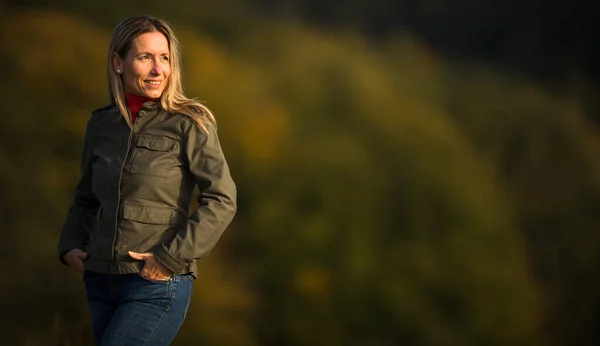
<point>380,225</point>
<point>547,152</point>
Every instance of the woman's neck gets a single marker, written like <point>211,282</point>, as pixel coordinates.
<point>135,103</point>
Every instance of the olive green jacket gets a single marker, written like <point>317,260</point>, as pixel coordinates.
<point>136,188</point>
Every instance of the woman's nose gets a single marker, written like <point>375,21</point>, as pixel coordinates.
<point>156,68</point>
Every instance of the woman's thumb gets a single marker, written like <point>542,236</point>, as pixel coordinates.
<point>139,256</point>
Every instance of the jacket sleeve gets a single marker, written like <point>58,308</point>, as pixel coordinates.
<point>77,227</point>
<point>217,201</point>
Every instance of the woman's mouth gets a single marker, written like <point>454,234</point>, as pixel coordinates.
<point>153,83</point>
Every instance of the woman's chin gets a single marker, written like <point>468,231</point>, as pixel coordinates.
<point>152,94</point>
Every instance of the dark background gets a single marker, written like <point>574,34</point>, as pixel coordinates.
<point>409,172</point>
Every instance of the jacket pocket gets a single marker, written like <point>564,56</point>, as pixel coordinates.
<point>153,155</point>
<point>144,227</point>
<point>149,214</point>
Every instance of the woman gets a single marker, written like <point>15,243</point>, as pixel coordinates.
<point>129,230</point>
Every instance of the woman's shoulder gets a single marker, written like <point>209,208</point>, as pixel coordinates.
<point>107,112</point>
<point>190,125</point>
<point>108,108</point>
<point>101,116</point>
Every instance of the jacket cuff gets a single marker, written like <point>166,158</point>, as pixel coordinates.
<point>169,261</point>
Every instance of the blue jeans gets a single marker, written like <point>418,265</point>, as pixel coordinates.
<point>127,309</point>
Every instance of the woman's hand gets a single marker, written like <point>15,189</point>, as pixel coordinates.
<point>74,258</point>
<point>153,269</point>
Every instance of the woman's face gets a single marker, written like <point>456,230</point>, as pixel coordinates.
<point>146,68</point>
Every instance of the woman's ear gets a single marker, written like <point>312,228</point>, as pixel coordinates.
<point>117,63</point>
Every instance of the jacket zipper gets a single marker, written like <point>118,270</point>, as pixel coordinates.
<point>119,194</point>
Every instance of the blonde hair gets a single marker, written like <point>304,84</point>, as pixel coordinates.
<point>172,99</point>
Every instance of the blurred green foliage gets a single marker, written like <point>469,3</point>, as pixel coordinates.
<point>387,196</point>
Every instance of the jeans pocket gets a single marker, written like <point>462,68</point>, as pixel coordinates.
<point>159,292</point>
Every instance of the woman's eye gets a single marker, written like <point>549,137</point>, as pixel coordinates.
<point>165,58</point>
<point>144,57</point>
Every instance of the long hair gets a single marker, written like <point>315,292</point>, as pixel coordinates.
<point>172,99</point>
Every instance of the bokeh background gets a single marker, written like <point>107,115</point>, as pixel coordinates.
<point>410,172</point>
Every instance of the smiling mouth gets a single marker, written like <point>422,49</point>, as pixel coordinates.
<point>153,82</point>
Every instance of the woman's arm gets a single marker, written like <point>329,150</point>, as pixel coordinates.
<point>217,201</point>
<point>76,230</point>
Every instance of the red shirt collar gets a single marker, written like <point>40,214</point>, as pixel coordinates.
<point>135,102</point>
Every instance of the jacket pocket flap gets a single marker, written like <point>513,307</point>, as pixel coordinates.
<point>155,143</point>
<point>155,215</point>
